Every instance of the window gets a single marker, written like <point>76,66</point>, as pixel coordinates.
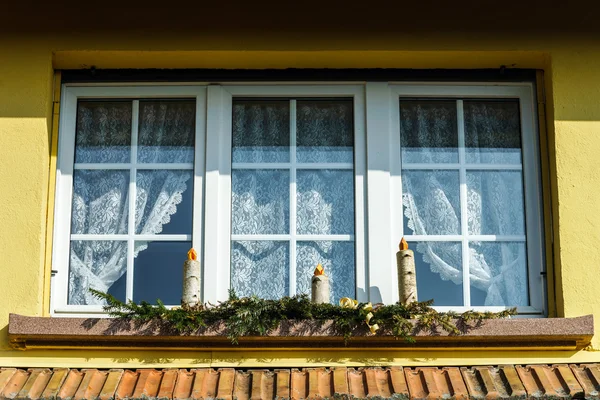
<point>267,181</point>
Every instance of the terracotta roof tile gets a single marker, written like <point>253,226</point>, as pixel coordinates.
<point>588,376</point>
<point>282,382</point>
<point>110,384</point>
<point>15,384</point>
<point>55,383</point>
<point>493,383</point>
<point>486,382</point>
<point>36,383</point>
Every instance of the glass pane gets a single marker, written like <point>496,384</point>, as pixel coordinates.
<point>163,202</point>
<point>338,260</point>
<point>325,202</point>
<point>498,272</point>
<point>100,202</point>
<point>428,131</point>
<point>103,132</point>
<point>166,131</point>
<point>158,271</point>
<point>260,201</point>
<point>495,203</point>
<point>260,268</point>
<point>431,202</point>
<point>261,131</point>
<point>492,131</point>
<point>325,131</point>
<point>439,272</point>
<point>96,264</point>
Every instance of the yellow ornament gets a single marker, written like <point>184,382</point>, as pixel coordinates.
<point>373,328</point>
<point>347,302</point>
<point>368,306</point>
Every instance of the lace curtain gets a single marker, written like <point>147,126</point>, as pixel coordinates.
<point>261,197</point>
<point>101,197</point>
<point>494,197</point>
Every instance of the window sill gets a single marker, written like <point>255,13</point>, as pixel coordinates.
<point>527,333</point>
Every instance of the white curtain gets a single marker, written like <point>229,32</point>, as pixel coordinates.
<point>261,197</point>
<point>494,197</point>
<point>101,197</point>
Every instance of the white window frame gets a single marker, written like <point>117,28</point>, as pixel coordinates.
<point>217,254</point>
<point>524,92</point>
<point>377,174</point>
<point>64,182</point>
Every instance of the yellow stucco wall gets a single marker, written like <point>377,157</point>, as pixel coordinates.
<point>573,111</point>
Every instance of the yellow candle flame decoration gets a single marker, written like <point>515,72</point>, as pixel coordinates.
<point>319,270</point>
<point>192,255</point>
<point>403,245</point>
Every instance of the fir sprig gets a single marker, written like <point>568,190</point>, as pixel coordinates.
<point>253,316</point>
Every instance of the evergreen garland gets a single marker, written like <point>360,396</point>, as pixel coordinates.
<point>252,316</point>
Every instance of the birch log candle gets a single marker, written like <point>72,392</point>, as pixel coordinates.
<point>320,286</point>
<point>407,275</point>
<point>191,280</point>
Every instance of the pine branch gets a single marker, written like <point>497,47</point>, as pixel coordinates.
<point>253,316</point>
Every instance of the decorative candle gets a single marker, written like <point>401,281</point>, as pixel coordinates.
<point>191,280</point>
<point>407,276</point>
<point>320,286</point>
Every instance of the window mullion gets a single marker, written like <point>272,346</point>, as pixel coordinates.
<point>292,243</point>
<point>463,203</point>
<point>132,196</point>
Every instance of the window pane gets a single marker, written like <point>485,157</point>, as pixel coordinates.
<point>166,131</point>
<point>492,131</point>
<point>498,274</point>
<point>439,272</point>
<point>325,131</point>
<point>261,131</point>
<point>260,201</point>
<point>158,271</point>
<point>338,260</point>
<point>428,131</point>
<point>96,264</point>
<point>260,268</point>
<point>325,201</point>
<point>164,202</point>
<point>103,132</point>
<point>431,202</point>
<point>100,202</point>
<point>495,203</point>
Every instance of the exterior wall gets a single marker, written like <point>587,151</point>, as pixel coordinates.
<point>573,123</point>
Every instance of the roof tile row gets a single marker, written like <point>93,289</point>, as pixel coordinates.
<point>503,382</point>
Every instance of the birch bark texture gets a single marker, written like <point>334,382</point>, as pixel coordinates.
<point>320,286</point>
<point>407,275</point>
<point>191,280</point>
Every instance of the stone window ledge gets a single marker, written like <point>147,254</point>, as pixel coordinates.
<point>496,334</point>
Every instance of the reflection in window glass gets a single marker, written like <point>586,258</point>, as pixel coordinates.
<point>261,131</point>
<point>166,132</point>
<point>428,131</point>
<point>96,264</point>
<point>164,202</point>
<point>325,131</point>
<point>492,131</point>
<point>158,271</point>
<point>260,268</point>
<point>103,132</point>
<point>498,273</point>
<point>439,272</point>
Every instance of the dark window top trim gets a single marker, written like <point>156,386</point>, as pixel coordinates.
<point>295,74</point>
